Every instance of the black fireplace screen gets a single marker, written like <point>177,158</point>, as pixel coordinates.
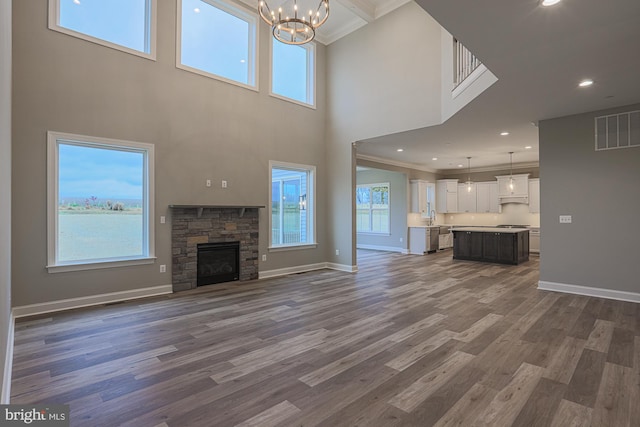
<point>218,262</point>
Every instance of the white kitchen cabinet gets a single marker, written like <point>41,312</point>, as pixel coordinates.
<point>447,195</point>
<point>487,197</point>
<point>423,197</point>
<point>466,198</point>
<point>534,240</point>
<point>534,195</point>
<point>520,186</point>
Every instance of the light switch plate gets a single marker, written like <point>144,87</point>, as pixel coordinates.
<point>565,219</point>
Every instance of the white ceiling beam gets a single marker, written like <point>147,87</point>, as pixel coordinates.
<point>363,8</point>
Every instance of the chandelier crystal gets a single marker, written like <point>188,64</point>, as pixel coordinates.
<point>295,21</point>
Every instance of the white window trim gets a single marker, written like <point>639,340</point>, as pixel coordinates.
<point>376,233</point>
<point>54,24</point>
<point>52,203</point>
<point>311,206</point>
<point>311,79</point>
<point>237,11</point>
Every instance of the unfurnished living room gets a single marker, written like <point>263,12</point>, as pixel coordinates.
<point>333,213</point>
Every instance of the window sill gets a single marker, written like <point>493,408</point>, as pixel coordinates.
<point>293,101</point>
<point>63,268</point>
<point>292,247</point>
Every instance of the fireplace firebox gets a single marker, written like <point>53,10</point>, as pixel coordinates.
<point>218,262</point>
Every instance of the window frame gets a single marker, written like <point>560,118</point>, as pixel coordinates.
<point>371,209</point>
<point>53,265</point>
<point>239,12</point>
<point>151,36</point>
<point>311,75</point>
<point>310,207</point>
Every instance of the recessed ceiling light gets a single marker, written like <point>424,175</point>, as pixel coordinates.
<point>400,150</point>
<point>528,147</point>
<point>459,166</point>
<point>585,83</point>
<point>504,133</point>
<point>434,159</point>
<point>196,10</point>
<point>550,2</point>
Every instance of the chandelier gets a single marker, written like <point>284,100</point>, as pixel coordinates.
<point>295,21</point>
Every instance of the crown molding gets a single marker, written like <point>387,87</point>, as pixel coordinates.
<point>458,171</point>
<point>394,163</point>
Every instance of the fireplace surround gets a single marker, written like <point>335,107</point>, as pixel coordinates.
<point>193,225</point>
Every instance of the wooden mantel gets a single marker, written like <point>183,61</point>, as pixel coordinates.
<point>200,208</point>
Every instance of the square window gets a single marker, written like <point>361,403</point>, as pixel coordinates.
<point>127,25</point>
<point>99,201</point>
<point>372,208</point>
<point>292,205</point>
<point>217,39</point>
<point>292,72</point>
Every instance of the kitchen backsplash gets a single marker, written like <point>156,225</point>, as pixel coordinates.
<point>511,214</point>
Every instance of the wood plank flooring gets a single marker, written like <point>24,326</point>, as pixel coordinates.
<point>407,341</point>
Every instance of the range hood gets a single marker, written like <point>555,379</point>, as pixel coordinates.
<point>523,200</point>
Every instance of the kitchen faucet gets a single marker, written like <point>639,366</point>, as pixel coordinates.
<point>432,217</point>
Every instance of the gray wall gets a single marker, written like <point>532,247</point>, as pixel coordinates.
<point>5,183</point>
<point>362,104</point>
<point>600,190</point>
<point>397,208</point>
<point>202,129</point>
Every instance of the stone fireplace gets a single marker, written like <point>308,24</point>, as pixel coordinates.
<point>194,225</point>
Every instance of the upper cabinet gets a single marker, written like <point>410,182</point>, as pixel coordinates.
<point>513,188</point>
<point>447,195</point>
<point>423,197</point>
<point>534,195</point>
<point>487,197</point>
<point>467,198</point>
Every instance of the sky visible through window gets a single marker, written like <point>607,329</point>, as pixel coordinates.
<point>290,71</point>
<point>86,172</point>
<point>122,22</point>
<point>215,41</point>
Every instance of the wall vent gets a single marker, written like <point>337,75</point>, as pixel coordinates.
<point>618,131</point>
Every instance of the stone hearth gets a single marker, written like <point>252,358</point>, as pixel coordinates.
<point>193,225</point>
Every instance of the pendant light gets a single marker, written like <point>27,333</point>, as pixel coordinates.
<point>469,183</point>
<point>511,183</point>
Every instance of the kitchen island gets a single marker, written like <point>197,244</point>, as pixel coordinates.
<point>489,244</point>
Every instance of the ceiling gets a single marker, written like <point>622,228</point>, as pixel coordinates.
<point>539,55</point>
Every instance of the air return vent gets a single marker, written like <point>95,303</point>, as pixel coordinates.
<point>618,131</point>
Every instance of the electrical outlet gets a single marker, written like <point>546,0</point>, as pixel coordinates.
<point>208,183</point>
<point>163,268</point>
<point>565,219</point>
<point>337,251</point>
<point>162,219</point>
<point>264,257</point>
<point>224,184</point>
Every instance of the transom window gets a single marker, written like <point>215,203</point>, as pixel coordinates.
<point>100,202</point>
<point>372,208</point>
<point>292,205</point>
<point>217,39</point>
<point>293,72</point>
<point>127,25</point>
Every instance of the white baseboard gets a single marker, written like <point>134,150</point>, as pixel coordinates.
<point>342,267</point>
<point>5,396</point>
<point>67,304</point>
<point>589,291</point>
<point>291,270</point>
<point>383,248</point>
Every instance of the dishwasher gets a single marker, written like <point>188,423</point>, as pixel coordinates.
<point>445,240</point>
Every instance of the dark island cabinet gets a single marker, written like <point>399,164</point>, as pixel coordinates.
<point>499,247</point>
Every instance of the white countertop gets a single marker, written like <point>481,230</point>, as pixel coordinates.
<point>490,229</point>
<point>425,226</point>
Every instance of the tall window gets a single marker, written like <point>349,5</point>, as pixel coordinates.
<point>292,72</point>
<point>292,204</point>
<point>217,39</point>
<point>100,202</point>
<point>127,25</point>
<point>372,208</point>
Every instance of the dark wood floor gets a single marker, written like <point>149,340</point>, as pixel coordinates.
<point>407,341</point>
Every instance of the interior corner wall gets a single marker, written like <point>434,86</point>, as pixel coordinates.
<point>599,189</point>
<point>202,129</point>
<point>5,194</point>
<point>397,236</point>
